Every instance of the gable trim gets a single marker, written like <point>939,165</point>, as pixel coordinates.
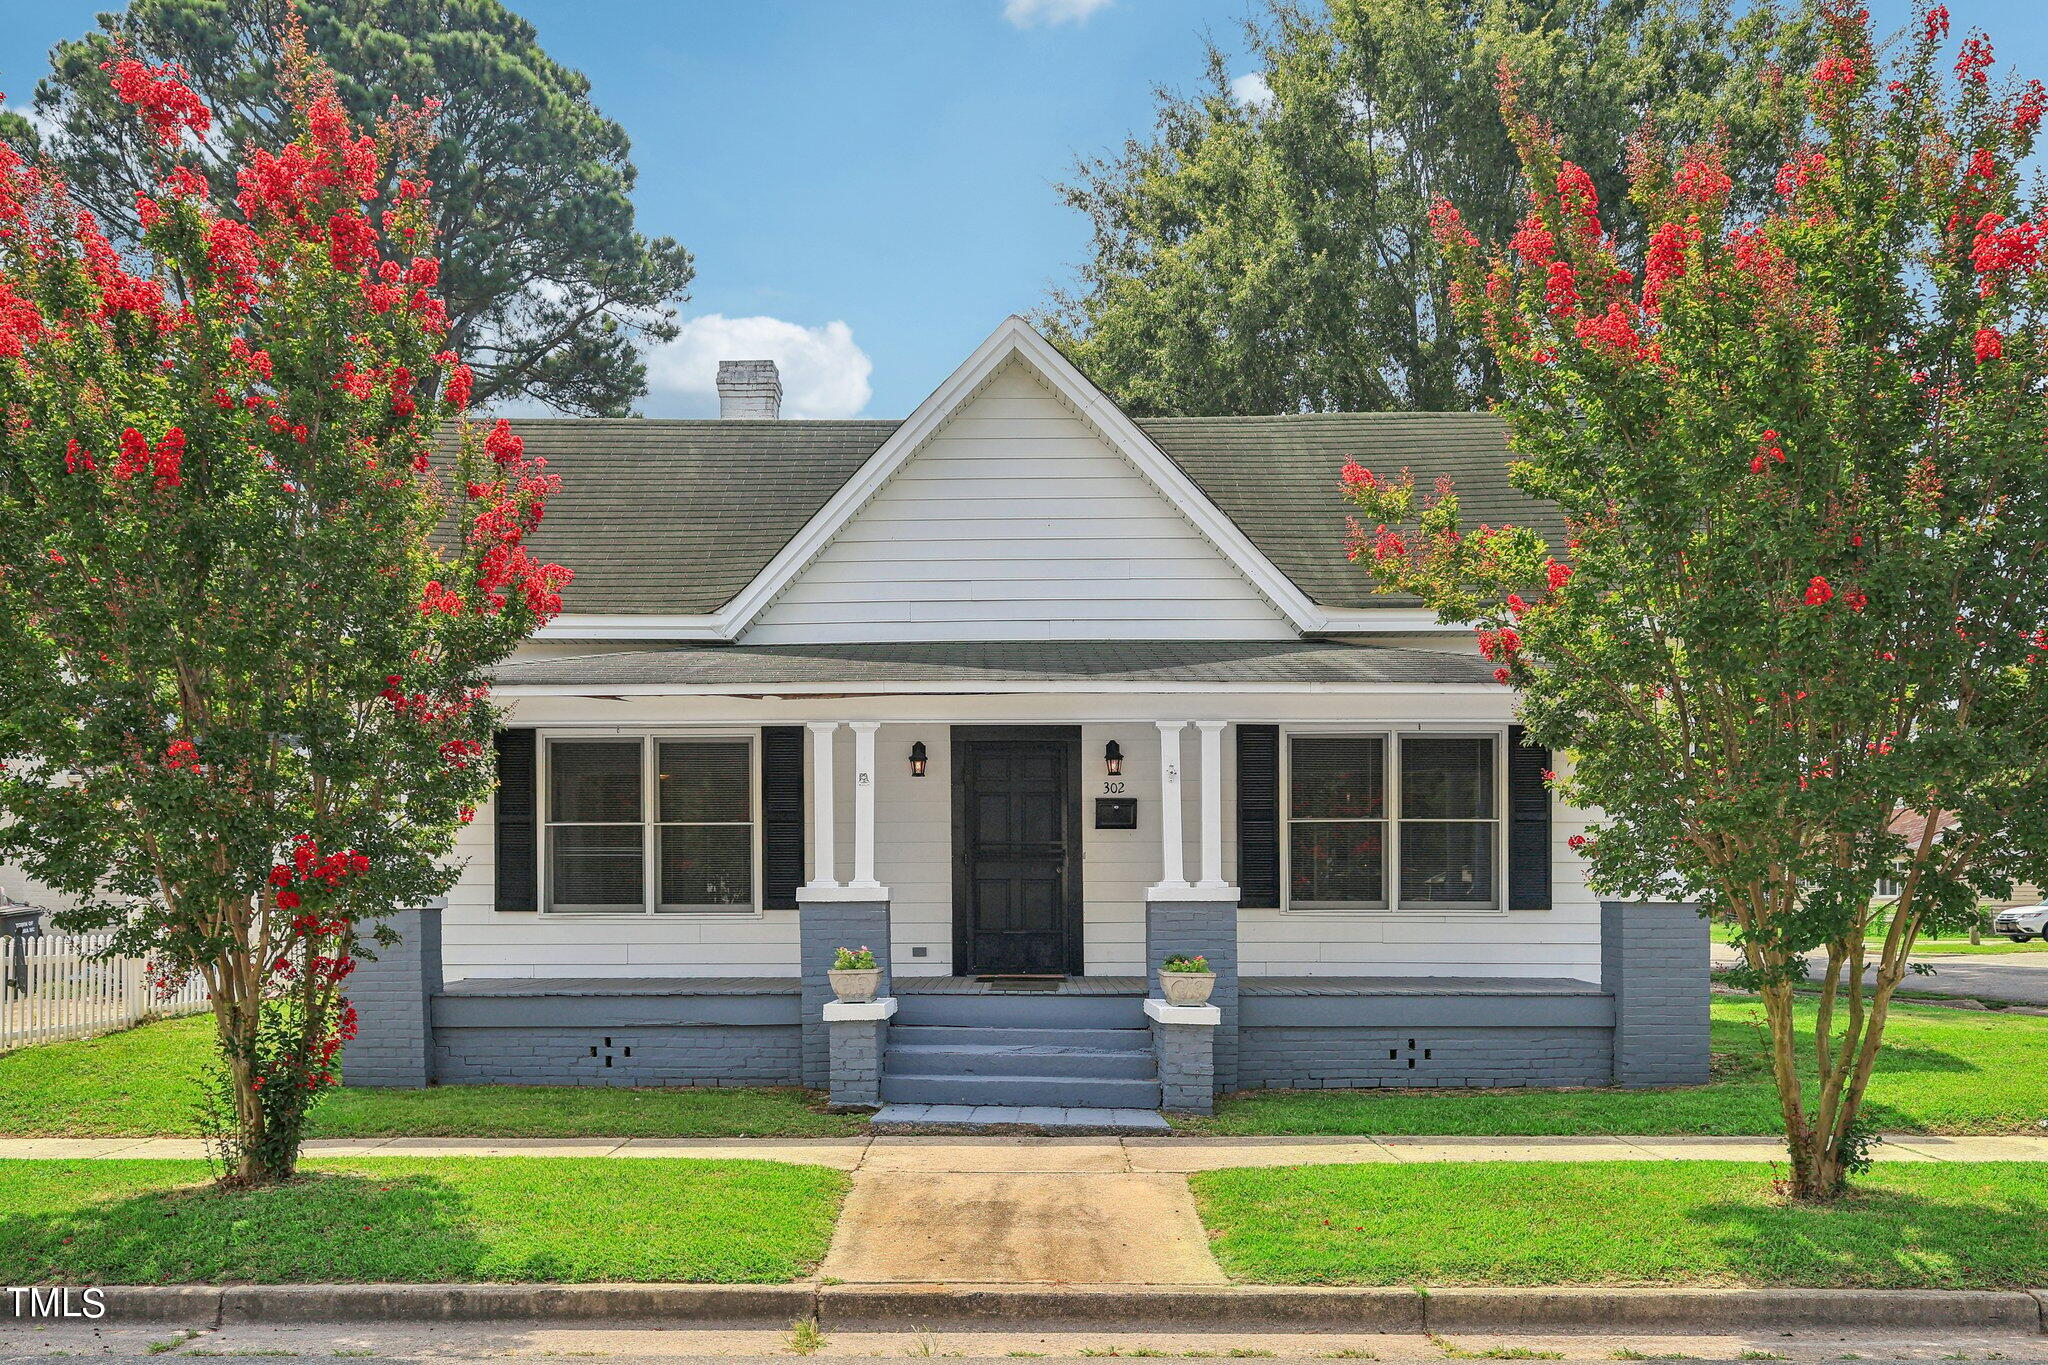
<point>1016,338</point>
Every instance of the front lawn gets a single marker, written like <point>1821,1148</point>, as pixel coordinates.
<point>1975,1226</point>
<point>143,1082</point>
<point>1940,1071</point>
<point>451,1219</point>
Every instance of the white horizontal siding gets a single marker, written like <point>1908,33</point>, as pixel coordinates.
<point>1017,521</point>
<point>913,855</point>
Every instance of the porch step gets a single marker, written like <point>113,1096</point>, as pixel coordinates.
<point>966,1035</point>
<point>1020,1059</point>
<point>1026,1011</point>
<point>1062,1091</point>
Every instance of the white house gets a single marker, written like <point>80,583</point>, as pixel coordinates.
<point>1024,695</point>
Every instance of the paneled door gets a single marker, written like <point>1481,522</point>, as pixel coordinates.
<point>1016,851</point>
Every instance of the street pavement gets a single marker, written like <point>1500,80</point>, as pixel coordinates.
<point>2019,978</point>
<point>514,1340</point>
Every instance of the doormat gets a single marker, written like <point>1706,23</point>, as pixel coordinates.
<point>1023,983</point>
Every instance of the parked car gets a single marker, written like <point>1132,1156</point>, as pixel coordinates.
<point>2022,923</point>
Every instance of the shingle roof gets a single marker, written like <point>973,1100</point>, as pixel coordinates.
<point>1136,661</point>
<point>1276,477</point>
<point>678,516</point>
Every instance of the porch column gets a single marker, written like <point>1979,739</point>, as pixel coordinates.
<point>1198,920</point>
<point>864,804</point>
<point>832,915</point>
<point>824,857</point>
<point>1171,877</point>
<point>1212,803</point>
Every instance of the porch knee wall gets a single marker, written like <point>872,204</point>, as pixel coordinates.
<point>1655,960</point>
<point>823,927</point>
<point>394,1001</point>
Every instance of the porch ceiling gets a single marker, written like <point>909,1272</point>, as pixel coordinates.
<point>1137,661</point>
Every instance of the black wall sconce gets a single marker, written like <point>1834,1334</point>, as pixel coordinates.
<point>1113,758</point>
<point>917,759</point>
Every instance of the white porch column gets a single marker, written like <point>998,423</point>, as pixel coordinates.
<point>824,856</point>
<point>1171,876</point>
<point>1212,802</point>
<point>864,803</point>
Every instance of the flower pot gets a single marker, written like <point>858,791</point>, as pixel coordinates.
<point>1186,988</point>
<point>855,986</point>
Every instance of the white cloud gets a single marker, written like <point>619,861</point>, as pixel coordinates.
<point>1251,90</point>
<point>1030,13</point>
<point>824,373</point>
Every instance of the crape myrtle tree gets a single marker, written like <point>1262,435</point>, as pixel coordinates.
<point>242,678</point>
<point>1801,460</point>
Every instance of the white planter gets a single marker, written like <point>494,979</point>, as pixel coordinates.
<point>1186,988</point>
<point>856,987</point>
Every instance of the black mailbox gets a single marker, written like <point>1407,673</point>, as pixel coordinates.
<point>1116,812</point>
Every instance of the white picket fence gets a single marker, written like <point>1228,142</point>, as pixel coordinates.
<point>63,987</point>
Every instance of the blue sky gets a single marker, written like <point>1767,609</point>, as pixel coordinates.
<point>868,187</point>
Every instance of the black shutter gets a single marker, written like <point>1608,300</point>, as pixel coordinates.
<point>782,814</point>
<point>518,808</point>
<point>1528,823</point>
<point>1258,816</point>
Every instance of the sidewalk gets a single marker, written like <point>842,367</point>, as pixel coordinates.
<point>1073,1155</point>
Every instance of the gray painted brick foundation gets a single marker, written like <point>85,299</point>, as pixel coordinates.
<point>619,1034</point>
<point>1644,1025</point>
<point>1208,929</point>
<point>824,926</point>
<point>1654,962</point>
<point>394,1044</point>
<point>857,1046</point>
<point>1350,1058</point>
<point>1187,1066</point>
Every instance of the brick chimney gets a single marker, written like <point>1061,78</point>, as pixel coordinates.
<point>749,390</point>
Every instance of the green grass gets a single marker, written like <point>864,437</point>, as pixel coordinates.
<point>1976,1226</point>
<point>144,1082</point>
<point>1936,947</point>
<point>567,1219</point>
<point>1940,1071</point>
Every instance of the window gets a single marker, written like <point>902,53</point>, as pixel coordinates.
<point>1337,821</point>
<point>1450,823</point>
<point>637,825</point>
<point>1419,811</point>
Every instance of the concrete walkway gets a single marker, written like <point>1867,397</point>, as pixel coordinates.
<point>1074,1155</point>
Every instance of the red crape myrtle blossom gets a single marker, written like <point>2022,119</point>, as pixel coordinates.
<point>243,680</point>
<point>1800,476</point>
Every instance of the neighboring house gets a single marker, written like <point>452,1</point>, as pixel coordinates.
<point>1024,695</point>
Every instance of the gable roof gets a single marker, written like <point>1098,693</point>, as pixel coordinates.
<point>694,526</point>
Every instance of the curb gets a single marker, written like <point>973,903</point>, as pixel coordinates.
<point>839,1307</point>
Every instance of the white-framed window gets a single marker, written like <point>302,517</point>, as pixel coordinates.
<point>1381,821</point>
<point>649,824</point>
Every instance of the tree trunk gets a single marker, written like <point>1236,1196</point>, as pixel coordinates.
<point>250,1158</point>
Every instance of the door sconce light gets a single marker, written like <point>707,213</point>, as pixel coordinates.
<point>1113,758</point>
<point>917,759</point>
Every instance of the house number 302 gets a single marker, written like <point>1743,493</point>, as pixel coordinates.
<point>1112,788</point>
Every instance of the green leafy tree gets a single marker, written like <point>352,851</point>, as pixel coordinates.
<point>1261,256</point>
<point>550,290</point>
<point>1802,461</point>
<point>243,703</point>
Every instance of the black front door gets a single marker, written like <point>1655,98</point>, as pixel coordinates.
<point>1016,850</point>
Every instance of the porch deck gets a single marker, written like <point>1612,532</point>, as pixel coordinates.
<point>1070,985</point>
